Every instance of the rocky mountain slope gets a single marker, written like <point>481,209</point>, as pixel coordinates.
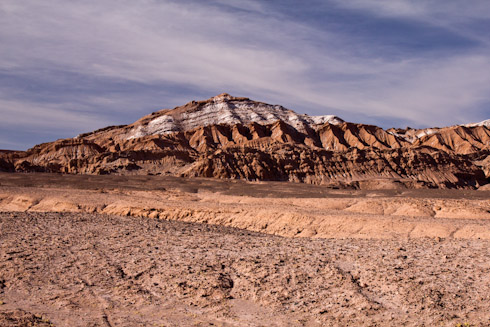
<point>230,137</point>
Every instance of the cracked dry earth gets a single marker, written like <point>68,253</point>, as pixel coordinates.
<point>82,269</point>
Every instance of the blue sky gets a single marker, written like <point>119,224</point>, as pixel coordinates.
<point>72,66</point>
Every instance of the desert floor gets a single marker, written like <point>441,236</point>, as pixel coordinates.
<point>161,251</point>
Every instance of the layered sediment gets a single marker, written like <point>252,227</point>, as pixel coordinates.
<point>229,137</point>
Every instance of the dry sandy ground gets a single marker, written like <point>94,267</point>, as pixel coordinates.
<point>357,258</point>
<point>286,209</point>
<point>93,270</point>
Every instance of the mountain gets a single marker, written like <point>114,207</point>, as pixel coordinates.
<point>482,123</point>
<point>231,137</point>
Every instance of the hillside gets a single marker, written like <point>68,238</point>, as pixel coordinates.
<point>230,137</point>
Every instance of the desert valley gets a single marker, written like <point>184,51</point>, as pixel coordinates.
<point>233,212</point>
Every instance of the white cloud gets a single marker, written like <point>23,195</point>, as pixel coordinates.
<point>387,7</point>
<point>448,10</point>
<point>252,53</point>
<point>246,5</point>
<point>27,114</point>
<point>453,15</point>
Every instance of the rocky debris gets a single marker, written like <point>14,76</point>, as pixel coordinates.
<point>93,270</point>
<point>21,318</point>
<point>229,137</point>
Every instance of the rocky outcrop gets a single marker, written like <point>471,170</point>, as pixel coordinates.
<point>458,139</point>
<point>6,160</point>
<point>484,164</point>
<point>228,137</point>
<point>5,165</point>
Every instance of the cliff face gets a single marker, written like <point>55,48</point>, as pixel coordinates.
<point>227,137</point>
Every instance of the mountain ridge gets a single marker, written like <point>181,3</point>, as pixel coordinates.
<point>235,137</point>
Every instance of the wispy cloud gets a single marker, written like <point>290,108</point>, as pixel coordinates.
<point>450,11</point>
<point>86,63</point>
<point>45,117</point>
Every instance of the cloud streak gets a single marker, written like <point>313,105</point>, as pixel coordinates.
<point>93,62</point>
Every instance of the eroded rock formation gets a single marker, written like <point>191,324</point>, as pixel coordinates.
<point>228,137</point>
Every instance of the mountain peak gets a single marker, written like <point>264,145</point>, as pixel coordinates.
<point>224,109</point>
<point>222,97</point>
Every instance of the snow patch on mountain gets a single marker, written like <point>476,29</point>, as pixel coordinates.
<point>482,123</point>
<point>426,132</point>
<point>224,109</point>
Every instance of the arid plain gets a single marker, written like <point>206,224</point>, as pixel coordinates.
<point>82,250</point>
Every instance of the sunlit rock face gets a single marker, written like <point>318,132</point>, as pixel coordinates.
<point>225,109</point>
<point>231,137</point>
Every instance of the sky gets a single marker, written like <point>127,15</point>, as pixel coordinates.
<point>73,66</point>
